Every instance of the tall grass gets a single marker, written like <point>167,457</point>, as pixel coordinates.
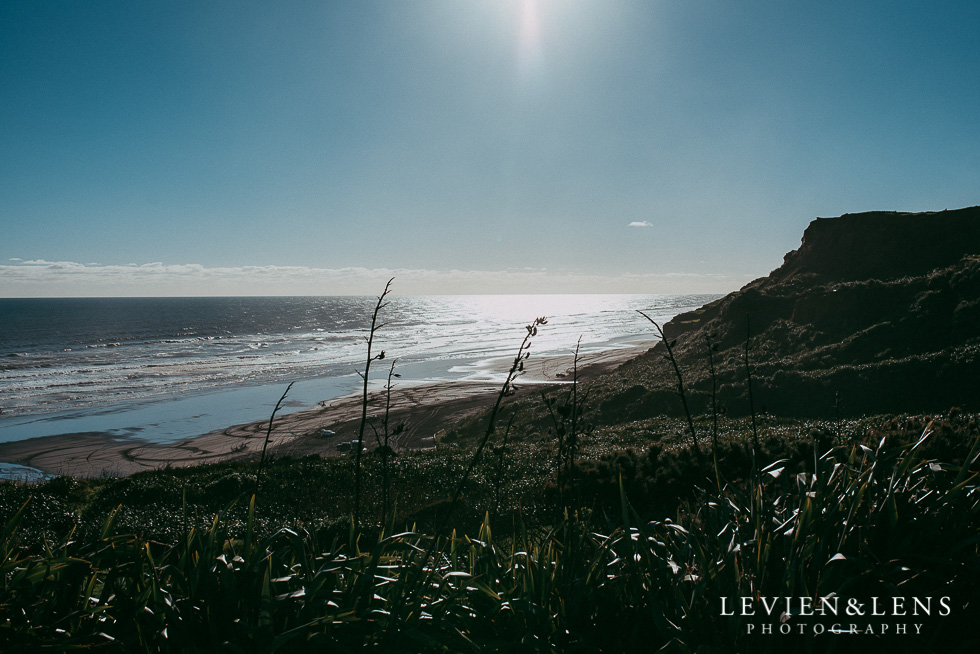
<point>870,521</point>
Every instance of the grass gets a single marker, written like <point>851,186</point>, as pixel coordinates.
<point>163,570</point>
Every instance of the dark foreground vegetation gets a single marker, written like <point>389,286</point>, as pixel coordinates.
<point>634,553</point>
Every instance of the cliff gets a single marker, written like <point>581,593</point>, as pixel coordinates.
<point>874,313</point>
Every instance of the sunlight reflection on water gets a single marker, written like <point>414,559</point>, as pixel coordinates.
<point>175,367</point>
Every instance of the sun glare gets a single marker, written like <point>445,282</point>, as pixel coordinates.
<point>530,38</point>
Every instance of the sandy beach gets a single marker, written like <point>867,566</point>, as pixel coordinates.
<point>426,408</point>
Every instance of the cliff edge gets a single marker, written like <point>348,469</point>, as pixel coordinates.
<point>873,313</point>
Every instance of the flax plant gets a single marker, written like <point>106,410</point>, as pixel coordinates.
<point>364,397</point>
<point>714,408</point>
<point>268,437</point>
<point>383,437</point>
<point>680,383</point>
<point>508,388</point>
<point>565,419</point>
<point>876,519</point>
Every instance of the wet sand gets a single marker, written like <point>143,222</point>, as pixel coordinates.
<point>426,408</point>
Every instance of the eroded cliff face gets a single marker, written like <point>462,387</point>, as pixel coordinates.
<point>881,245</point>
<point>874,313</point>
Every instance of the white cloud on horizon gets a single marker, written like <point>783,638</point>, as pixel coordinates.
<point>41,278</point>
<point>640,223</point>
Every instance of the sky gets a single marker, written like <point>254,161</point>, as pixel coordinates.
<point>486,146</point>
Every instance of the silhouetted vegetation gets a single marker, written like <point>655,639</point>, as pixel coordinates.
<point>177,560</point>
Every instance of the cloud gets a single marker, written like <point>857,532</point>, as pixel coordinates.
<point>41,278</point>
<point>640,223</point>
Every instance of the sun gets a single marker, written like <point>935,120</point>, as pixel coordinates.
<point>529,43</point>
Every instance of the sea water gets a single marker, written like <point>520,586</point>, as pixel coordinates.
<point>166,369</point>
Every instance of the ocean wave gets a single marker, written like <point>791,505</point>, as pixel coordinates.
<point>270,339</point>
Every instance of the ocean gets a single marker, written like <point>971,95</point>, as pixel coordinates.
<point>165,369</point>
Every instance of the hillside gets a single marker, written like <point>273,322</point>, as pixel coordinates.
<point>874,313</point>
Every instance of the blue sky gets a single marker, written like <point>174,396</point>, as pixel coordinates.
<point>178,148</point>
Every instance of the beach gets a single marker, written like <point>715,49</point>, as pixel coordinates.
<point>109,387</point>
<point>425,407</point>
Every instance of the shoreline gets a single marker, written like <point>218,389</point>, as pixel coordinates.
<point>426,408</point>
